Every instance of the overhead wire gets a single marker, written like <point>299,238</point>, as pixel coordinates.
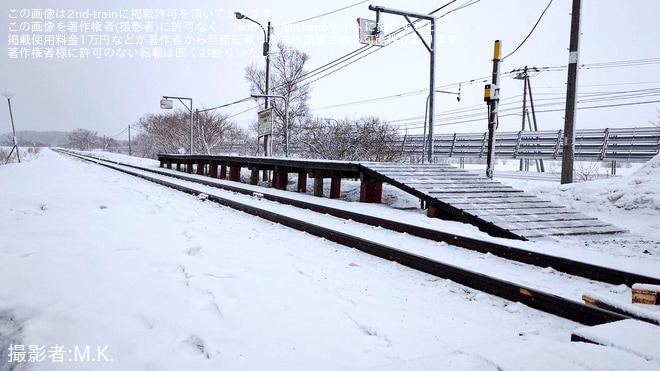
<point>227,104</point>
<point>363,49</point>
<point>530,32</point>
<point>346,59</point>
<point>120,133</point>
<point>323,15</point>
<point>366,50</point>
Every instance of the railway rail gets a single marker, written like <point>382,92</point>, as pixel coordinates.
<point>532,297</point>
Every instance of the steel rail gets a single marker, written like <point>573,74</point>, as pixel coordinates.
<point>565,265</point>
<point>546,302</point>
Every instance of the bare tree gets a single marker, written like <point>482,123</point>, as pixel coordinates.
<point>215,133</point>
<point>108,144</point>
<point>170,133</point>
<point>586,170</point>
<point>167,132</point>
<point>287,68</point>
<point>363,139</point>
<point>83,139</point>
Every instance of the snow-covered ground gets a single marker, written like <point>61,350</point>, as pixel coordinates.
<point>106,272</point>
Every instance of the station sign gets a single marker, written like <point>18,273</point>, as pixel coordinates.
<point>265,121</point>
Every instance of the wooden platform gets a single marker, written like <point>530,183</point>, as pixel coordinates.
<point>448,192</point>
<point>494,207</point>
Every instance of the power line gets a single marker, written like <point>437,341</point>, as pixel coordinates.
<point>354,54</point>
<point>242,112</point>
<point>227,104</point>
<point>628,63</point>
<point>120,133</point>
<point>530,32</point>
<point>358,54</point>
<point>469,3</point>
<point>323,15</point>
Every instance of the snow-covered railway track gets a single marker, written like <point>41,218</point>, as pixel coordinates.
<point>477,271</point>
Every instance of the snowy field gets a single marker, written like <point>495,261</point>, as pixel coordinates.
<point>101,271</point>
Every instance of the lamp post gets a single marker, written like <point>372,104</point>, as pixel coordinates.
<point>8,94</point>
<point>286,118</point>
<point>266,49</point>
<point>426,112</point>
<point>166,103</point>
<point>431,47</point>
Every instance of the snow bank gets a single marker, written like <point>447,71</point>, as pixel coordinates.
<point>641,189</point>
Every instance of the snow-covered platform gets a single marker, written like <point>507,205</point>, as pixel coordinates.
<point>448,192</point>
<point>493,206</point>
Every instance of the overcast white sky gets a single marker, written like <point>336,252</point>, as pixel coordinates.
<point>107,94</point>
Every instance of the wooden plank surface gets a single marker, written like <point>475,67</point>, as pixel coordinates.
<point>489,202</point>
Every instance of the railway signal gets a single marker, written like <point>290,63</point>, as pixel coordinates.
<point>492,98</point>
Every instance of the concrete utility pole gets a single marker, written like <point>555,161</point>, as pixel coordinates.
<point>492,97</point>
<point>571,97</point>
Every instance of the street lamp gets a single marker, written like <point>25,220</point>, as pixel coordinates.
<point>266,45</point>
<point>266,49</point>
<point>286,118</point>
<point>166,103</point>
<point>431,47</point>
<point>426,112</point>
<point>8,94</point>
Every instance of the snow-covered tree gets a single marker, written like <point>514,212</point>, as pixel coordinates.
<point>170,133</point>
<point>363,139</point>
<point>287,68</point>
<point>83,139</point>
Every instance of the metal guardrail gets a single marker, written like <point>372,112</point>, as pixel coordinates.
<point>613,144</point>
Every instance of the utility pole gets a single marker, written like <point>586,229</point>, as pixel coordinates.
<point>8,94</point>
<point>571,97</point>
<point>492,98</point>
<point>266,53</point>
<point>130,153</point>
<point>527,88</point>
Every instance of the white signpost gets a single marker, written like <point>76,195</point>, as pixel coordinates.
<point>265,128</point>
<point>265,122</point>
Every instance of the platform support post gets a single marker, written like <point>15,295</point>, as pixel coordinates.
<point>335,188</point>
<point>235,173</point>
<point>254,176</point>
<point>302,183</point>
<point>200,168</point>
<point>213,169</point>
<point>371,191</point>
<point>318,187</point>
<point>280,179</point>
<point>223,171</point>
<point>433,211</point>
